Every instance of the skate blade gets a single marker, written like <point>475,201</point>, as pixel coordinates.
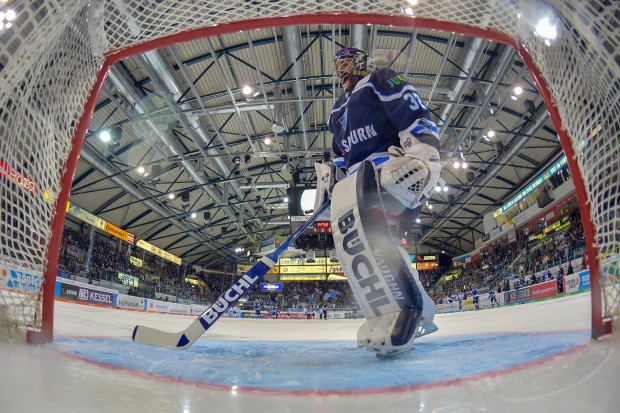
<point>394,353</point>
<point>427,329</point>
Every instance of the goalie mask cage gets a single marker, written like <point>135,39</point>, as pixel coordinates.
<point>55,55</point>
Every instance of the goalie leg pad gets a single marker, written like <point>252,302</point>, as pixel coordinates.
<point>327,176</point>
<point>378,273</point>
<point>391,333</point>
<point>428,312</point>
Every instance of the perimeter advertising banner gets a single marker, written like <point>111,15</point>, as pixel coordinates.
<point>118,232</point>
<point>19,279</point>
<point>577,282</point>
<point>303,269</point>
<point>86,294</point>
<point>97,222</point>
<point>167,307</point>
<point>85,216</point>
<point>243,268</point>
<point>302,277</point>
<point>518,296</point>
<point>304,261</point>
<point>321,265</point>
<point>129,302</point>
<point>68,292</point>
<point>544,290</point>
<point>159,252</point>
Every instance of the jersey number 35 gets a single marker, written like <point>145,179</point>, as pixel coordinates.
<point>414,100</point>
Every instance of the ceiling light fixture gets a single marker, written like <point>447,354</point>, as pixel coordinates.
<point>105,136</point>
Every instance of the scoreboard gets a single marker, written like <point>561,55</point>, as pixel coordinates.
<point>317,236</point>
<point>320,227</point>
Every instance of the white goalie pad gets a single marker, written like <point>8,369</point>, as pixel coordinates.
<point>389,295</point>
<point>428,310</point>
<point>327,174</point>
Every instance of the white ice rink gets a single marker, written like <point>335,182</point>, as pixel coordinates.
<point>582,379</point>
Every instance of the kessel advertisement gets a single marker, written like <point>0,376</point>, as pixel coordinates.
<point>86,295</point>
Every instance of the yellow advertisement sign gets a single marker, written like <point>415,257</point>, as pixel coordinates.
<point>118,232</point>
<point>304,261</point>
<point>97,222</point>
<point>335,269</point>
<point>135,261</point>
<point>302,277</point>
<point>319,266</point>
<point>303,269</point>
<point>159,252</point>
<point>242,269</point>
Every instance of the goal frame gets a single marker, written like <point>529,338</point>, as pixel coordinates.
<point>600,326</point>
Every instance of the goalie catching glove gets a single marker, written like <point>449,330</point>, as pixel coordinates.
<point>411,173</point>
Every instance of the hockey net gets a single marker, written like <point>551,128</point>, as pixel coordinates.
<point>54,56</point>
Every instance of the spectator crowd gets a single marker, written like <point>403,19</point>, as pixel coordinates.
<point>503,266</point>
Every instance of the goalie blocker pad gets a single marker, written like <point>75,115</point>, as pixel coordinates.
<point>379,276</point>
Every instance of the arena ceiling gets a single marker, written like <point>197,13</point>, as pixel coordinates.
<point>181,113</point>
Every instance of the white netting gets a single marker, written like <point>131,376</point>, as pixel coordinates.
<point>50,55</point>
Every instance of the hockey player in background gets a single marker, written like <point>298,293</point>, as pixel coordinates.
<point>386,165</point>
<point>493,297</point>
<point>476,297</point>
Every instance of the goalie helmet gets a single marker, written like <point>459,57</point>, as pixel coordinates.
<point>352,65</point>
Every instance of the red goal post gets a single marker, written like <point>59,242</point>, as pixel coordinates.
<point>54,58</point>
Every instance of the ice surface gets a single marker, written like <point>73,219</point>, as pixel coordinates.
<point>534,357</point>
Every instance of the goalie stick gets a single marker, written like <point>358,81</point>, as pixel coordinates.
<point>200,325</point>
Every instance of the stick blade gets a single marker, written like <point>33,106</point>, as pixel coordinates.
<point>178,341</point>
<point>154,337</point>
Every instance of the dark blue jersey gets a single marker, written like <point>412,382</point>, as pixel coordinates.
<point>369,120</point>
